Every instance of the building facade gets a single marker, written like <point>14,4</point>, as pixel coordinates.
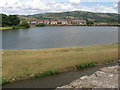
<point>59,22</point>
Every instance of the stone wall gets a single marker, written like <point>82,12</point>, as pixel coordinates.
<point>104,78</point>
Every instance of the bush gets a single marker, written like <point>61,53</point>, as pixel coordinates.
<point>82,66</point>
<point>46,73</point>
<point>40,25</point>
<point>23,25</point>
<point>16,27</point>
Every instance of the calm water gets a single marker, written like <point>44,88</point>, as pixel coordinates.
<point>58,36</point>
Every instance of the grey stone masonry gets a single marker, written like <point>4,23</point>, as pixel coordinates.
<point>106,77</point>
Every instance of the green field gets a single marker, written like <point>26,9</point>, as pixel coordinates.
<point>22,63</point>
<point>5,28</point>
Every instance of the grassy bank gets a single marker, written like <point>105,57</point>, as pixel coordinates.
<point>23,64</point>
<point>5,28</point>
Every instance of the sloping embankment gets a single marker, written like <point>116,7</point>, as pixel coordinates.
<point>104,78</point>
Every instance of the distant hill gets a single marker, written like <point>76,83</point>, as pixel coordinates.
<point>97,17</point>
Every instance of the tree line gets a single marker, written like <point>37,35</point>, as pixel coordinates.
<point>9,20</point>
<point>12,21</point>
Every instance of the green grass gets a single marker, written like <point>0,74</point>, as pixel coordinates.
<point>5,28</point>
<point>21,64</point>
<point>86,65</point>
<point>46,73</point>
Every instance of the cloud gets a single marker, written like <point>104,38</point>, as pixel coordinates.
<point>74,1</point>
<point>105,9</point>
<point>42,6</point>
<point>100,9</point>
<point>100,0</point>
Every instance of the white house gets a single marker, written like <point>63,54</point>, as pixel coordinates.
<point>46,21</point>
<point>40,21</point>
<point>62,22</point>
<point>79,22</point>
<point>69,22</point>
<point>33,22</point>
<point>53,22</point>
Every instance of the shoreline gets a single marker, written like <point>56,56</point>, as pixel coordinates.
<point>63,59</point>
<point>5,28</point>
<point>10,28</point>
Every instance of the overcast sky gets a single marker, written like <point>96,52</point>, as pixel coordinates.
<point>28,7</point>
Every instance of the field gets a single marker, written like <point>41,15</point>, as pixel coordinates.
<point>21,63</point>
<point>5,28</point>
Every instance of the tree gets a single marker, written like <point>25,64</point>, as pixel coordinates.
<point>13,20</point>
<point>10,20</point>
<point>24,24</point>
<point>89,22</point>
<point>0,20</point>
<point>40,25</point>
<point>5,20</point>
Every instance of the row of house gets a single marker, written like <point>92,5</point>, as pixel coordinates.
<point>54,22</point>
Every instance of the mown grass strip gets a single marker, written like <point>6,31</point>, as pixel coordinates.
<point>5,28</point>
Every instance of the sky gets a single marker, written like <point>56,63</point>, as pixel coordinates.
<point>29,7</point>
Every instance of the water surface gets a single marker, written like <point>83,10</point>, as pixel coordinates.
<point>58,37</point>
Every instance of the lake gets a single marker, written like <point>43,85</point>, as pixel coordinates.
<point>58,37</point>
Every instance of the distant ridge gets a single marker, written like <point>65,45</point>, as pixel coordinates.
<point>97,17</point>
